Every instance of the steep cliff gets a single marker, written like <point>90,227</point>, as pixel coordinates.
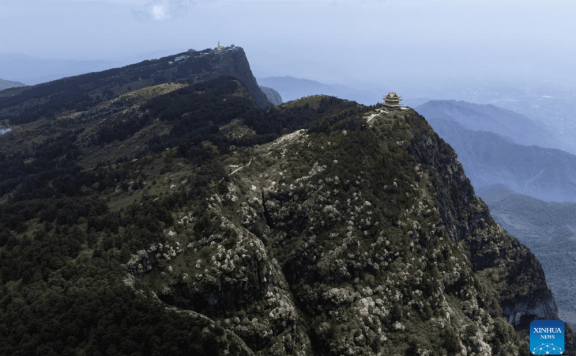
<point>272,95</point>
<point>547,228</point>
<point>80,93</point>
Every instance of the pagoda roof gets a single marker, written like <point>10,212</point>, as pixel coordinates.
<point>392,96</point>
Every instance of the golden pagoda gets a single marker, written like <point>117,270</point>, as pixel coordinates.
<point>392,101</point>
<point>218,48</point>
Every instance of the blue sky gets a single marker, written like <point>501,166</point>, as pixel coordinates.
<point>327,40</point>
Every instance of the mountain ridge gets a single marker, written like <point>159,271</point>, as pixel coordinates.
<point>476,117</point>
<point>5,84</point>
<point>28,103</point>
<point>292,88</point>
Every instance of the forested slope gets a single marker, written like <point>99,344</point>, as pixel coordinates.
<point>186,219</point>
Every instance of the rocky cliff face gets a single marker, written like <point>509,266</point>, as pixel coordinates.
<point>547,228</point>
<point>231,61</point>
<point>272,95</point>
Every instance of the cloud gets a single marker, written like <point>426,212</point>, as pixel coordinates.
<point>162,10</point>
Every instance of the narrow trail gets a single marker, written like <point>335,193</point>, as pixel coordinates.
<point>237,169</point>
<point>380,111</point>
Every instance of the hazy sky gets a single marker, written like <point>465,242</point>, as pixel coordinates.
<point>326,40</point>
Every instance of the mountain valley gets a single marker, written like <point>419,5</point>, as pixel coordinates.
<point>497,153</point>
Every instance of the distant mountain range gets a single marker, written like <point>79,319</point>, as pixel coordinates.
<point>475,117</point>
<point>490,158</point>
<point>549,230</point>
<point>291,88</point>
<point>5,84</point>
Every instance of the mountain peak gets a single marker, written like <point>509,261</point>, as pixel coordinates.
<point>84,91</point>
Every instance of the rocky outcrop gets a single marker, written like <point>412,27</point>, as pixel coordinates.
<point>272,95</point>
<point>231,61</point>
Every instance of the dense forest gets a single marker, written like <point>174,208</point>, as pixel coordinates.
<point>61,246</point>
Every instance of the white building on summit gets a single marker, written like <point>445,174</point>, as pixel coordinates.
<point>392,101</point>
